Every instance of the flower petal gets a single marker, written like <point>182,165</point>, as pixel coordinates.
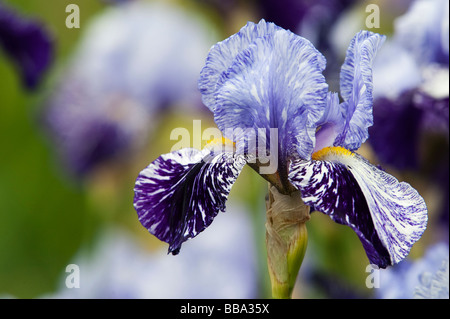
<point>276,83</point>
<point>331,124</point>
<point>179,194</point>
<point>388,216</point>
<point>357,87</point>
<point>222,54</point>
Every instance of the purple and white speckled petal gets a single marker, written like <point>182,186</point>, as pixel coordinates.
<point>388,216</point>
<point>178,195</point>
<point>357,88</point>
<point>276,83</point>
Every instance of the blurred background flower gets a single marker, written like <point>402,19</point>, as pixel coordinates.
<point>83,110</point>
<point>121,80</point>
<point>223,265</point>
<point>27,43</point>
<point>424,278</point>
<point>411,108</point>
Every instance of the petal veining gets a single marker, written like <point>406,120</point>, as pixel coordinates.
<point>178,195</point>
<point>388,216</point>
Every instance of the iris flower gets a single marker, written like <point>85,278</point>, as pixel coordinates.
<point>265,77</point>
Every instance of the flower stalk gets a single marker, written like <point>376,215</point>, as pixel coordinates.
<point>286,240</point>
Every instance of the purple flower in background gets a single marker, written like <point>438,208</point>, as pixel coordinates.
<point>313,20</point>
<point>291,14</point>
<point>90,126</point>
<point>411,79</point>
<point>424,31</point>
<point>135,62</point>
<point>411,105</point>
<point>265,77</point>
<point>27,44</point>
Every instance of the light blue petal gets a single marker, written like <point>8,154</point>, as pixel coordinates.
<point>276,83</point>
<point>417,277</point>
<point>434,285</point>
<point>332,122</point>
<point>395,71</point>
<point>423,31</point>
<point>357,87</point>
<point>222,54</point>
<point>445,31</point>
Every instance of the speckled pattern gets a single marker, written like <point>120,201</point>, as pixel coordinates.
<point>179,194</point>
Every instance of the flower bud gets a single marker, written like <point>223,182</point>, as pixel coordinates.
<point>286,239</point>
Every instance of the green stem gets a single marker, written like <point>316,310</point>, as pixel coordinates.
<point>286,240</point>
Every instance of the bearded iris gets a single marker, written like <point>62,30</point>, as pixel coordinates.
<point>267,77</point>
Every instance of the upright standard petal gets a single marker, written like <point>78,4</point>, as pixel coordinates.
<point>387,215</point>
<point>276,83</point>
<point>222,55</point>
<point>179,194</point>
<point>357,88</point>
